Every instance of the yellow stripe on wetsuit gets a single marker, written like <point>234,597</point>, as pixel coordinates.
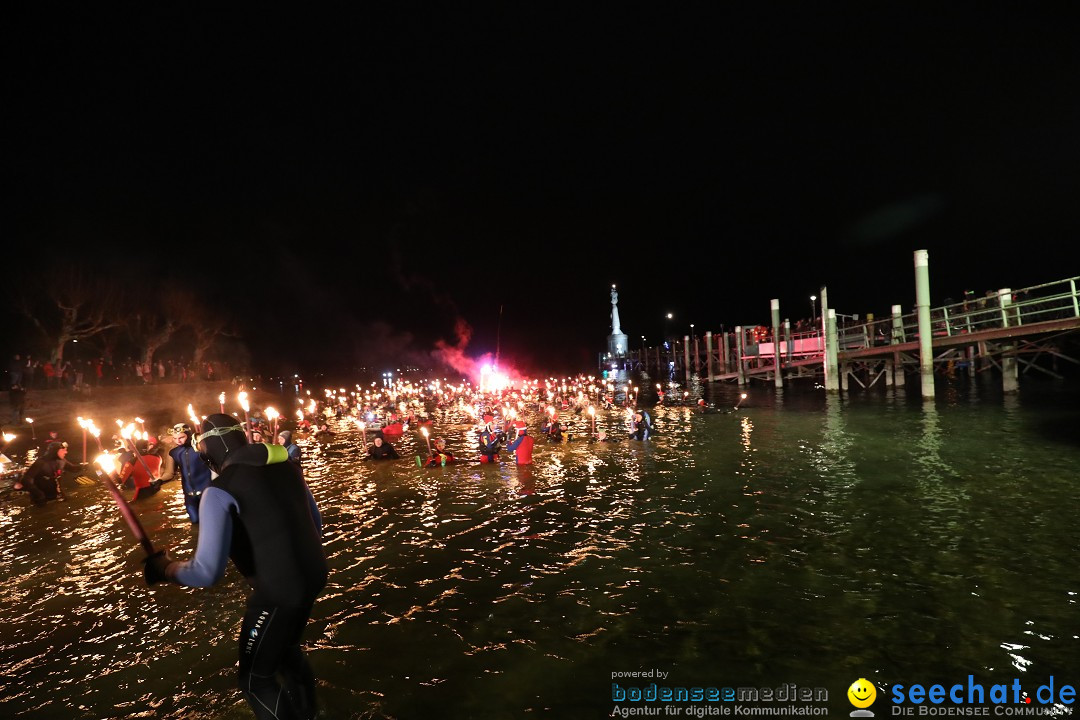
<point>275,454</point>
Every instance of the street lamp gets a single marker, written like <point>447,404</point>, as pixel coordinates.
<point>813,306</point>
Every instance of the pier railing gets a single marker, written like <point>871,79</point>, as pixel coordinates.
<point>1006,308</point>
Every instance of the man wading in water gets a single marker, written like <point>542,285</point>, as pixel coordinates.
<point>259,512</point>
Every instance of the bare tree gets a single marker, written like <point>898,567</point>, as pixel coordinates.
<point>153,326</point>
<point>70,304</point>
<point>207,326</point>
<point>206,332</point>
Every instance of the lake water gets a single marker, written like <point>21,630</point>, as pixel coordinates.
<point>801,539</point>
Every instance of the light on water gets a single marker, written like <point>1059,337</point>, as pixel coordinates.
<point>800,539</point>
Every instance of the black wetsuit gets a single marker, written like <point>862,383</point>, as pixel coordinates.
<point>489,445</point>
<point>42,479</point>
<point>383,452</point>
<point>642,429</point>
<point>264,518</point>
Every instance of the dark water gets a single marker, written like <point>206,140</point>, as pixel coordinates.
<point>803,539</point>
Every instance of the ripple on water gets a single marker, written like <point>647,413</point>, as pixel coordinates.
<point>776,544</point>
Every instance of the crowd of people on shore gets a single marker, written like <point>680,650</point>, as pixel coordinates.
<point>32,373</point>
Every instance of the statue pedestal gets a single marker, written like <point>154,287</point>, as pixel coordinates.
<point>616,344</point>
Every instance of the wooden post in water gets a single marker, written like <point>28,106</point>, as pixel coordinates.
<point>926,330</point>
<point>778,379</point>
<point>708,355</point>
<point>897,338</point>
<point>686,357</point>
<point>724,354</point>
<point>1009,376</point>
<point>828,334</point>
<point>739,355</point>
<point>787,338</point>
<point>832,369</point>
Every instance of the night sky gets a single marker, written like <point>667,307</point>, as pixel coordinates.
<point>354,189</point>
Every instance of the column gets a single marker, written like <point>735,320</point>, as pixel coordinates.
<point>926,331</point>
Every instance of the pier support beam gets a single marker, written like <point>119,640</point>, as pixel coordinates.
<point>708,355</point>
<point>888,373</point>
<point>686,357</point>
<point>897,338</point>
<point>897,325</point>
<point>926,332</point>
<point>724,353</point>
<point>1009,371</point>
<point>739,355</point>
<point>778,378</point>
<point>832,368</point>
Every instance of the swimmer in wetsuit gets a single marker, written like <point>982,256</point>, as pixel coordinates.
<point>642,426</point>
<point>42,479</point>
<point>259,513</point>
<point>194,471</point>
<point>440,456</point>
<point>382,450</point>
<point>490,440</point>
<point>522,446</point>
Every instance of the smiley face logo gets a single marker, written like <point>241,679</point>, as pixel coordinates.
<point>862,693</point>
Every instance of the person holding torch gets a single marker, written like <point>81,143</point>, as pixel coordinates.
<point>259,513</point>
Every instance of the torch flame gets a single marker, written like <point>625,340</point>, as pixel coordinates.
<point>106,462</point>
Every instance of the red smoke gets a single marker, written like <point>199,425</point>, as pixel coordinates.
<point>454,355</point>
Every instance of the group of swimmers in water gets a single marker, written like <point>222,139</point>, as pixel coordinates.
<point>144,465</point>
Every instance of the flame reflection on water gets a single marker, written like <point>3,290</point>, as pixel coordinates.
<point>776,544</point>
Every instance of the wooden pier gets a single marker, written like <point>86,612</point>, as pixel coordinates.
<point>1008,332</point>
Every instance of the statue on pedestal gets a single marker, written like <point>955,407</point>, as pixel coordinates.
<point>617,343</point>
<point>615,329</point>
